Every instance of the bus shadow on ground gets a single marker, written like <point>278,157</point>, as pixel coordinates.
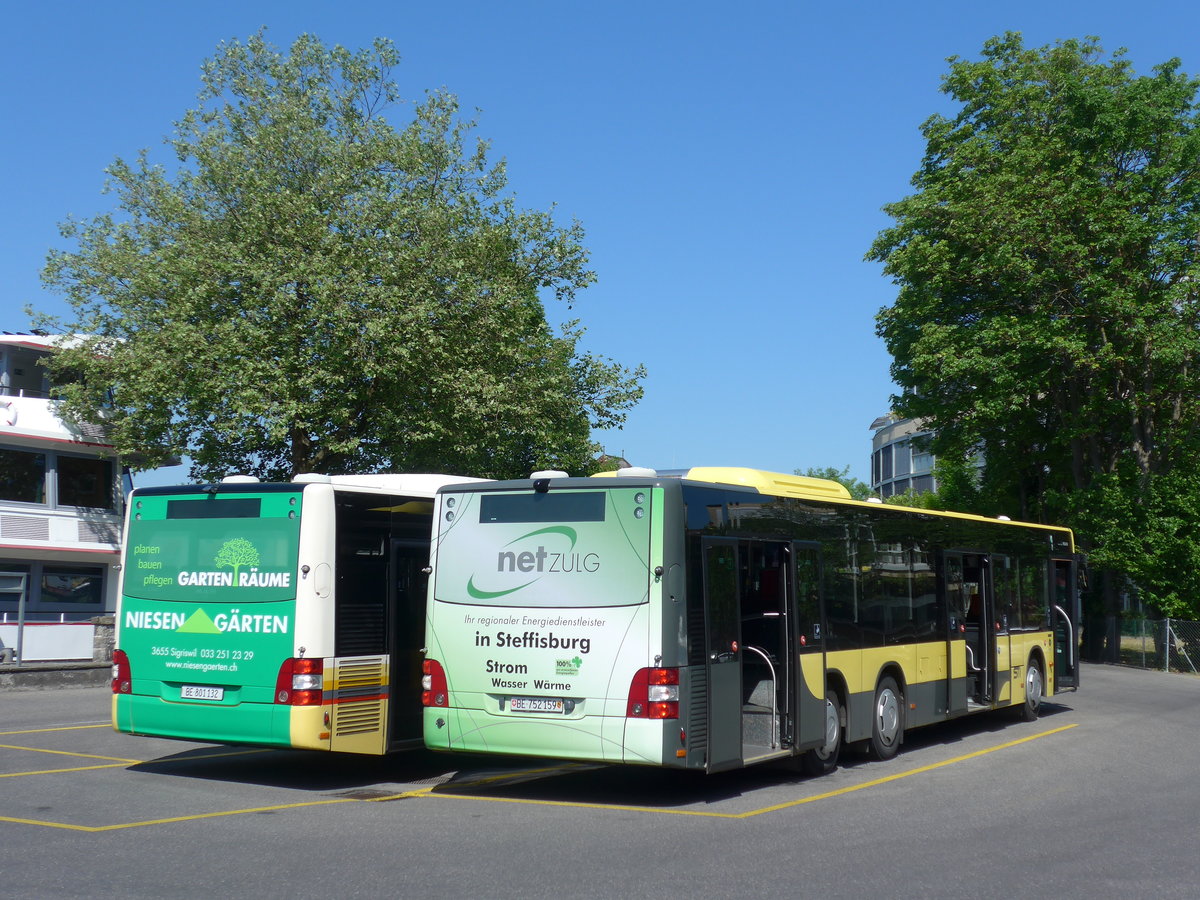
<point>543,780</point>
<point>998,722</point>
<point>312,771</point>
<point>633,786</point>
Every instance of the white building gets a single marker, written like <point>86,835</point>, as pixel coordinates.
<point>61,503</point>
<point>896,464</point>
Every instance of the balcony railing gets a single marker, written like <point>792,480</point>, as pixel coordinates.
<point>36,393</point>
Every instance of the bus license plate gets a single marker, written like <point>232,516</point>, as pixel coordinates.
<point>195,692</point>
<point>535,704</point>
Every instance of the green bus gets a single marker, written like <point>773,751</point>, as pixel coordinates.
<point>275,615</point>
<point>719,617</point>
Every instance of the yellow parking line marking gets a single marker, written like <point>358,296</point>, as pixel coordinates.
<point>429,792</point>
<point>917,771</point>
<point>766,809</point>
<point>46,824</point>
<point>119,759</point>
<point>403,795</point>
<point>615,807</point>
<point>229,812</point>
<point>213,815</point>
<point>119,765</point>
<point>191,818</point>
<point>522,774</point>
<point>56,728</point>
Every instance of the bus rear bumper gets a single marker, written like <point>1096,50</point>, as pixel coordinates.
<point>262,724</point>
<point>601,739</point>
<point>594,738</point>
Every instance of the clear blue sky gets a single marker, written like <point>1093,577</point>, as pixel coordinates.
<point>728,160</point>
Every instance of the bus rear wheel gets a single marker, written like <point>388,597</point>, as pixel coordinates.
<point>1034,689</point>
<point>822,760</point>
<point>887,719</point>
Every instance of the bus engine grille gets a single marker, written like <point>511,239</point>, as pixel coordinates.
<point>697,715</point>
<point>361,686</point>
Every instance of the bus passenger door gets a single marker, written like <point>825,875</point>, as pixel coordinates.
<point>358,671</point>
<point>768,661</point>
<point>407,635</point>
<point>722,612</point>
<point>955,604</point>
<point>979,629</point>
<point>809,646</point>
<point>1000,672</point>
<point>1065,615</point>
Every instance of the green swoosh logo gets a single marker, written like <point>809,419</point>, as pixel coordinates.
<point>563,530</point>
<point>480,594</point>
<point>569,533</point>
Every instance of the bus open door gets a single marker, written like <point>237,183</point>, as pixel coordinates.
<point>1065,615</point>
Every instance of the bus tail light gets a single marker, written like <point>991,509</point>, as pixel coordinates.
<point>122,675</point>
<point>654,694</point>
<point>300,682</point>
<point>434,690</point>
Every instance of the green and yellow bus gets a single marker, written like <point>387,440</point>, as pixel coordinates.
<point>719,617</point>
<point>276,615</point>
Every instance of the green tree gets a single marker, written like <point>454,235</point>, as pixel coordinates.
<point>859,490</point>
<point>958,488</point>
<point>1047,308</point>
<point>313,289</point>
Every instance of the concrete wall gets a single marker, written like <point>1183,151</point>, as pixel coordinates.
<point>44,674</point>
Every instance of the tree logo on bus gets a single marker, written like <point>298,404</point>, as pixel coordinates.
<point>539,561</point>
<point>235,554</point>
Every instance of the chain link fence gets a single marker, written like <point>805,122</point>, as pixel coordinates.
<point>1169,645</point>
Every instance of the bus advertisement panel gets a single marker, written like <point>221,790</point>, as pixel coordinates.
<point>542,601</point>
<point>208,611</point>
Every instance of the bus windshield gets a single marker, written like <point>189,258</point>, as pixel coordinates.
<point>562,549</point>
<point>214,549</point>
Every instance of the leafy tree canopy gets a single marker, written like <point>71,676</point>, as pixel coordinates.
<point>312,288</point>
<point>1047,311</point>
<point>859,490</point>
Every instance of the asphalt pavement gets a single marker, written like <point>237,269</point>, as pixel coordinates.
<point>1096,799</point>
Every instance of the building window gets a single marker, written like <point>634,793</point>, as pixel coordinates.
<point>79,481</point>
<point>13,578</point>
<point>71,586</point>
<point>22,373</point>
<point>76,592</point>
<point>22,476</point>
<point>903,455</point>
<point>887,462</point>
<point>85,481</point>
<point>922,462</point>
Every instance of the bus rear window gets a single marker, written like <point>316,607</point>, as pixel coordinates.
<point>213,508</point>
<point>563,506</point>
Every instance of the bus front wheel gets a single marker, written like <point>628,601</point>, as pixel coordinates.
<point>822,760</point>
<point>1034,689</point>
<point>887,719</point>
